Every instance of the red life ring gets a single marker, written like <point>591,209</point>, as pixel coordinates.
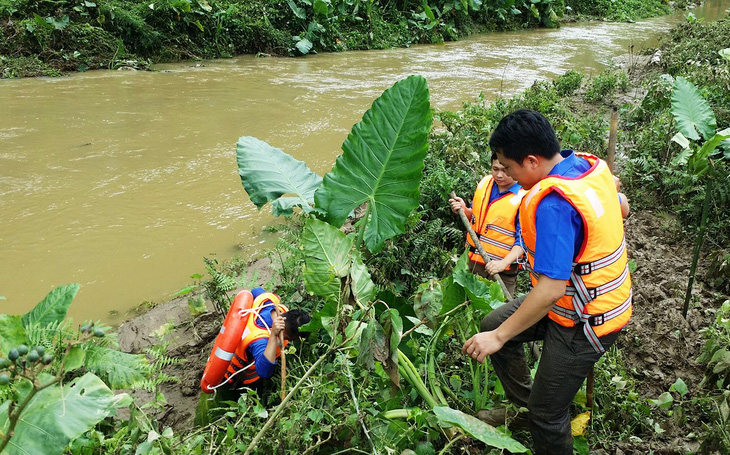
<point>226,343</point>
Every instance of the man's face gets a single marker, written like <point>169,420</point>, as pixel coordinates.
<point>500,176</point>
<point>524,173</point>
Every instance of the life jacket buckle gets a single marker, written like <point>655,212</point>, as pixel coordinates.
<point>596,319</point>
<point>583,269</point>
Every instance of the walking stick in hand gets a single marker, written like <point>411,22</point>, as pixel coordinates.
<point>283,361</point>
<point>482,253</point>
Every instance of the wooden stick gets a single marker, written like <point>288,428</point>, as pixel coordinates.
<point>283,366</point>
<point>612,134</point>
<point>482,253</point>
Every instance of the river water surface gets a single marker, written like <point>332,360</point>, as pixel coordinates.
<point>122,181</point>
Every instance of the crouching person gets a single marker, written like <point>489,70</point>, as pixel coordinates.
<point>257,327</point>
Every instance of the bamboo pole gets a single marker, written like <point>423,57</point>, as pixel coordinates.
<point>482,253</point>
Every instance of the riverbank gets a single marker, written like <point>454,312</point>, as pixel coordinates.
<point>51,38</point>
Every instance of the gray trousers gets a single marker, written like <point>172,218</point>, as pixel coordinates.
<point>567,358</point>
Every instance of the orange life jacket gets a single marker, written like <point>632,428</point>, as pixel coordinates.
<point>598,293</point>
<point>256,329</point>
<point>494,223</point>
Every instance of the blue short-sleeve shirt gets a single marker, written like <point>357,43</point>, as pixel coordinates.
<point>559,226</point>
<point>264,368</point>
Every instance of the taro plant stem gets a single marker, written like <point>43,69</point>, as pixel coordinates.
<point>698,243</point>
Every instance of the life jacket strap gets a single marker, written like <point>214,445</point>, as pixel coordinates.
<point>592,320</point>
<point>579,291</point>
<point>587,268</point>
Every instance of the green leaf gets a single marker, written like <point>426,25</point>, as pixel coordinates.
<point>267,174</point>
<point>12,333</point>
<point>698,163</point>
<point>56,416</point>
<point>477,429</point>
<point>53,308</point>
<point>74,359</point>
<point>304,46</point>
<point>484,294</point>
<point>680,387</point>
<point>454,294</point>
<point>298,12</point>
<point>118,369</point>
<point>366,355</point>
<point>196,305</point>
<point>725,53</point>
<point>321,7</point>
<point>322,319</point>
<point>362,283</point>
<point>382,163</point>
<point>694,117</point>
<point>326,258</point>
<point>428,11</point>
<point>664,401</point>
<point>428,301</point>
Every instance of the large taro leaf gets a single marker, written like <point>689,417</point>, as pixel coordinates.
<point>56,416</point>
<point>12,333</point>
<point>118,369</point>
<point>477,429</point>
<point>53,308</point>
<point>326,258</point>
<point>267,174</point>
<point>382,163</point>
<point>694,117</point>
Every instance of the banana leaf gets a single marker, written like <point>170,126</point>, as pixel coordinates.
<point>382,163</point>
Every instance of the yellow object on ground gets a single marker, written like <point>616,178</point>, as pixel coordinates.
<point>578,425</point>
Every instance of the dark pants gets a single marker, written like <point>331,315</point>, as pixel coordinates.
<point>567,358</point>
<point>509,277</point>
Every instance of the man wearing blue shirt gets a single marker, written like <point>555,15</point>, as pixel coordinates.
<point>581,296</point>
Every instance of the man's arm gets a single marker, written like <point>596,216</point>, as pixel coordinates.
<point>541,298</point>
<point>499,266</point>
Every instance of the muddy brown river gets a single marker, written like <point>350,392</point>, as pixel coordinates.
<point>122,181</point>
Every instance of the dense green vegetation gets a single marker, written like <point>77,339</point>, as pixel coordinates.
<point>385,291</point>
<point>41,38</point>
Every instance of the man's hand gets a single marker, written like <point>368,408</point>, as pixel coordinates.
<point>481,345</point>
<point>278,324</point>
<point>456,204</point>
<point>494,267</point>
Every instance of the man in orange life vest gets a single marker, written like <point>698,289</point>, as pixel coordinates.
<point>493,216</point>
<point>581,296</point>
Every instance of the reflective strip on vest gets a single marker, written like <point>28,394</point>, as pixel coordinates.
<point>493,223</point>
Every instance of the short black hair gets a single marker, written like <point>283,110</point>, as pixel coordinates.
<point>524,132</point>
<point>294,319</point>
